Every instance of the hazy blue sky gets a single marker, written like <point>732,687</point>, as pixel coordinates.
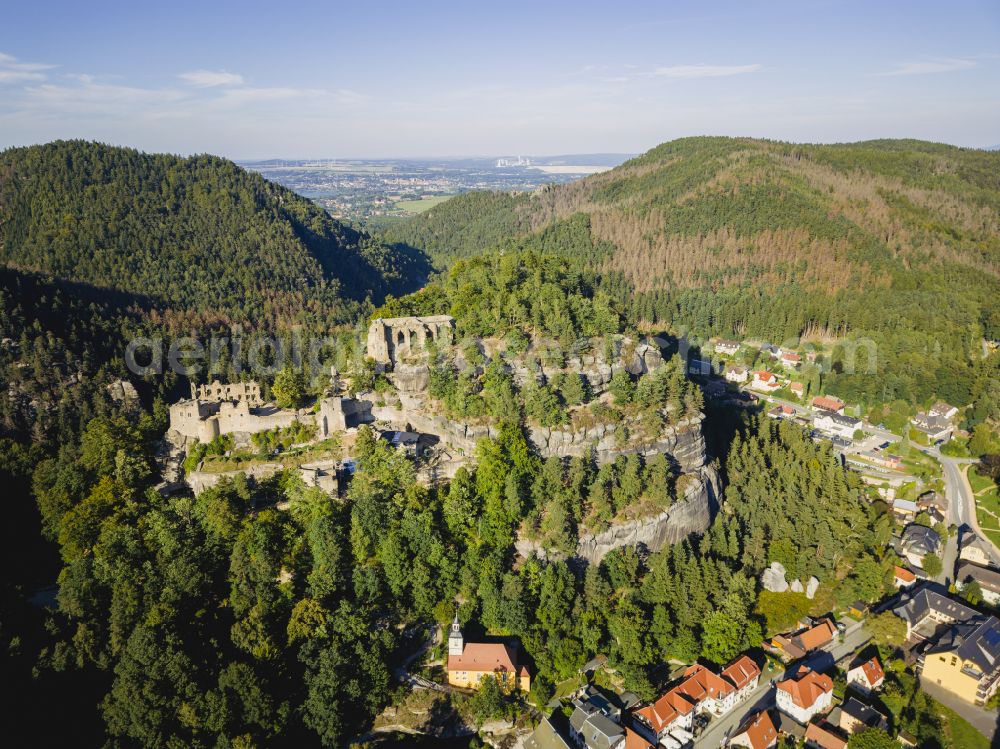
<point>250,79</point>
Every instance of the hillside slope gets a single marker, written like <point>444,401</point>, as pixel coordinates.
<point>192,235</point>
<point>896,241</point>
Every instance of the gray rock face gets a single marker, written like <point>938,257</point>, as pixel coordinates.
<point>811,587</point>
<point>773,578</point>
<point>411,378</point>
<point>692,514</point>
<point>683,443</point>
<point>797,586</point>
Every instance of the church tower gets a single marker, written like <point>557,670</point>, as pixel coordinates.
<point>455,642</point>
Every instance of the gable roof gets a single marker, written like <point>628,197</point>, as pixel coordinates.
<point>926,599</point>
<point>863,713</point>
<point>904,574</point>
<point>872,671</point>
<point>741,672</point>
<point>600,732</point>
<point>665,710</point>
<point>700,683</point>
<point>763,375</point>
<point>976,640</point>
<point>806,687</point>
<point>988,579</point>
<point>825,736</point>
<point>760,731</point>
<point>635,741</point>
<point>485,656</point>
<point>545,736</point>
<point>827,403</point>
<point>816,636</point>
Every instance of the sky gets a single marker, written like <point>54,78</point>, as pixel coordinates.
<point>253,80</point>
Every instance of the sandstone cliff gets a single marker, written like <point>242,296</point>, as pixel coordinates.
<point>691,514</point>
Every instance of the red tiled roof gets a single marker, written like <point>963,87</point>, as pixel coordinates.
<point>700,683</point>
<point>905,575</point>
<point>485,656</point>
<point>666,710</point>
<point>824,738</point>
<point>760,731</point>
<point>790,356</point>
<point>873,671</point>
<point>741,672</point>
<point>635,741</point>
<point>816,637</point>
<point>764,376</point>
<point>806,687</point>
<point>828,402</point>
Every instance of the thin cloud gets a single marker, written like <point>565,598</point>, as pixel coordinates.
<point>211,78</point>
<point>705,71</point>
<point>938,65</point>
<point>13,71</point>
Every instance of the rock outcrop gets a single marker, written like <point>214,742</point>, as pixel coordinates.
<point>691,514</point>
<point>811,587</point>
<point>773,578</point>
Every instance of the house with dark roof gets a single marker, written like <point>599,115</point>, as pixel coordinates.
<point>837,424</point>
<point>934,426</point>
<point>545,736</point>
<point>594,723</point>
<point>987,578</point>
<point>965,660</point>
<point>917,542</point>
<point>927,608</point>
<point>974,548</point>
<point>854,716</point>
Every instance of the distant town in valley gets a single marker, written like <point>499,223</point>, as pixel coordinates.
<point>382,190</point>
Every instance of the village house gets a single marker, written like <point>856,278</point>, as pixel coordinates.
<point>854,716</point>
<point>790,358</point>
<point>934,505</point>
<point>470,662</point>
<point>758,733</point>
<point>594,723</point>
<point>866,676</point>
<point>699,691</point>
<point>837,424</point>
<point>943,410</point>
<point>824,736</point>
<point>764,380</point>
<point>935,427</point>
<point>903,578</point>
<point>805,695</point>
<point>828,403</point>
<point>727,348</point>
<point>781,411</point>
<point>546,736</point>
<point>965,660</point>
<point>973,548</point>
<point>798,389</point>
<point>986,578</point>
<point>917,542</point>
<point>795,646</point>
<point>634,740</point>
<point>904,509</point>
<point>738,374</point>
<point>884,460</point>
<point>927,607</point>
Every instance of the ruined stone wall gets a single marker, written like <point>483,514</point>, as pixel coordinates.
<point>392,338</point>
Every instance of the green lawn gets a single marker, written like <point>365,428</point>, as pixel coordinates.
<point>978,481</point>
<point>960,731</point>
<point>421,205</point>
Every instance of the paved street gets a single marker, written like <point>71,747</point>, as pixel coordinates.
<point>763,697</point>
<point>984,721</point>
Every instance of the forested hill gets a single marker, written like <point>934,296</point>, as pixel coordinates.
<point>193,235</point>
<point>896,241</point>
<point>726,210</point>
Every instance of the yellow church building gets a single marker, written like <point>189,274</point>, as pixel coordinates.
<point>469,662</point>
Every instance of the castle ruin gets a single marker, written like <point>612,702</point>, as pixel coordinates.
<point>392,338</point>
